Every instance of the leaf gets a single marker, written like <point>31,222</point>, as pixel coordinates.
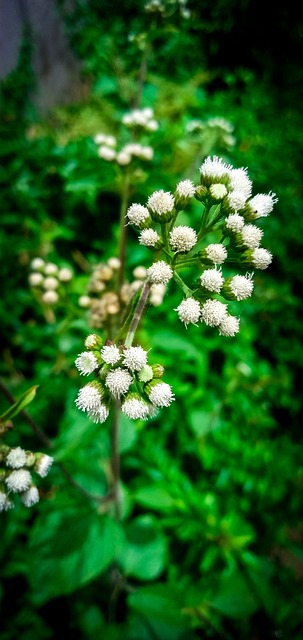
<point>154,497</point>
<point>24,400</point>
<point>235,599</point>
<point>160,606</point>
<point>143,554</point>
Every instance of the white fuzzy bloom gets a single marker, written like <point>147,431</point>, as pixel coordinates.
<point>65,274</point>
<point>251,236</point>
<point>239,181</point>
<point>50,283</point>
<point>99,414</point>
<point>214,168</point>
<point>189,311</point>
<point>161,202</point>
<point>234,222</point>
<point>146,153</point>
<point>5,503</point>
<point>182,238</point>
<point>135,408</point>
<point>35,279</point>
<point>140,272</point>
<point>149,238</point>
<point>123,158</point>
<point>135,358</point>
<point>102,138</point>
<point>229,326</point>
<point>89,398</point>
<point>137,214</point>
<point>30,497</point>
<point>186,189</point>
<point>110,354</point>
<point>50,269</point>
<point>216,253</point>
<point>18,480</point>
<point>16,458</point>
<point>236,200</point>
<point>262,204</point>
<point>261,258</point>
<point>161,394</point>
<point>118,381</point>
<point>37,263</point>
<point>213,312</point>
<point>84,301</point>
<point>86,363</point>
<point>114,263</point>
<point>152,125</point>
<point>106,153</point>
<point>159,272</point>
<point>241,286</point>
<point>43,464</point>
<point>212,280</point>
<point>50,297</point>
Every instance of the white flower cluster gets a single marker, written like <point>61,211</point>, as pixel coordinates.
<point>47,279</point>
<point>216,130</point>
<point>16,477</point>
<point>123,374</point>
<point>141,118</point>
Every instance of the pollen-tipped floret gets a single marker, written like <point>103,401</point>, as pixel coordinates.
<point>149,238</point>
<point>213,312</point>
<point>182,238</point>
<point>18,480</point>
<point>86,363</point>
<point>159,272</point>
<point>215,253</point>
<point>189,311</point>
<point>229,326</point>
<point>16,458</point>
<point>238,287</point>
<point>262,204</point>
<point>135,407</point>
<point>30,496</point>
<point>110,354</point>
<point>160,203</point>
<point>138,215</point>
<point>135,358</point>
<point>234,223</point>
<point>160,393</point>
<point>118,381</point>
<point>89,397</point>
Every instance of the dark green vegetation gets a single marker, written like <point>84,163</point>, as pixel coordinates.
<point>210,540</point>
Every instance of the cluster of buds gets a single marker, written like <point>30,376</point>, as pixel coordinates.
<point>141,118</point>
<point>121,374</point>
<point>48,281</point>
<point>229,211</point>
<point>214,132</point>
<point>16,477</point>
<point>165,8</point>
<point>105,301</point>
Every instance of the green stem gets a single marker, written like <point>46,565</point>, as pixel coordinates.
<point>182,284</point>
<point>137,314</point>
<point>123,231</point>
<point>164,232</point>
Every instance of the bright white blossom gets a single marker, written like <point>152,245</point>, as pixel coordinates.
<point>241,286</point>
<point>86,363</point>
<point>84,301</point>
<point>5,503</point>
<point>118,381</point>
<point>135,358</point>
<point>161,202</point>
<point>161,394</point>
<point>229,326</point>
<point>185,189</point>
<point>261,258</point>
<point>182,238</point>
<point>106,153</point>
<point>30,497</point>
<point>50,269</point>
<point>216,253</point>
<point>123,158</point>
<point>110,354</point>
<point>239,181</point>
<point>43,464</point>
<point>159,272</point>
<point>234,222</point>
<point>137,214</point>
<point>114,263</point>
<point>149,238</point>
<point>251,236</point>
<point>99,414</point>
<point>50,283</point>
<point>37,263</point>
<point>214,168</point>
<point>262,204</point>
<point>65,274</point>
<point>35,279</point>
<point>89,397</point>
<point>213,312</point>
<point>18,480</point>
<point>50,297</point>
<point>236,200</point>
<point>16,458</point>
<point>212,280</point>
<point>189,311</point>
<point>135,408</point>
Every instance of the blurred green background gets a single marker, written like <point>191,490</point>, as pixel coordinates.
<point>210,540</point>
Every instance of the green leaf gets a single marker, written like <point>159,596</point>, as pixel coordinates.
<point>24,400</point>
<point>160,606</point>
<point>235,598</point>
<point>143,554</point>
<point>154,497</point>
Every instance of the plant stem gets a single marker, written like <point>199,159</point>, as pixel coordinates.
<point>123,231</point>
<point>137,314</point>
<point>115,460</point>
<point>182,284</point>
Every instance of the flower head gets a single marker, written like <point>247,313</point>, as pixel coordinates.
<point>89,397</point>
<point>212,280</point>
<point>86,362</point>
<point>5,503</point>
<point>234,223</point>
<point>138,215</point>
<point>182,239</point>
<point>30,496</point>
<point>213,312</point>
<point>135,407</point>
<point>110,354</point>
<point>159,272</point>
<point>238,287</point>
<point>18,480</point>
<point>99,414</point>
<point>229,326</point>
<point>261,205</point>
<point>149,238</point>
<point>16,458</point>
<point>236,200</point>
<point>159,393</point>
<point>43,464</point>
<point>189,311</point>
<point>250,236</point>
<point>215,253</point>
<point>239,181</point>
<point>185,189</point>
<point>135,358</point>
<point>118,381</point>
<point>213,170</point>
<point>161,205</point>
<point>258,258</point>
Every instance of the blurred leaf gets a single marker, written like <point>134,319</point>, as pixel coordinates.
<point>144,552</point>
<point>23,401</point>
<point>234,597</point>
<point>160,605</point>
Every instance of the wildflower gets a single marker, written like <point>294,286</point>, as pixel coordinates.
<point>86,363</point>
<point>235,200</point>
<point>159,272</point>
<point>212,280</point>
<point>106,153</point>
<point>138,215</point>
<point>189,311</point>
<point>18,480</point>
<point>110,354</point>
<point>65,274</point>
<point>37,264</point>
<point>35,279</point>
<point>16,458</point>
<point>146,373</point>
<point>114,263</point>
<point>50,297</point>
<point>229,326</point>
<point>135,358</point>
<point>134,407</point>
<point>182,239</point>
<point>239,181</point>
<point>43,464</point>
<point>30,496</point>
<point>234,223</point>
<point>5,503</point>
<point>156,295</point>
<point>89,397</point>
<point>258,258</point>
<point>260,205</point>
<point>238,287</point>
<point>217,191</point>
<point>213,312</point>
<point>161,206</point>
<point>99,414</point>
<point>118,381</point>
<point>213,170</point>
<point>215,253</point>
<point>50,269</point>
<point>249,237</point>
<point>185,191</point>
<point>159,393</point>
<point>149,238</point>
<point>84,301</point>
<point>93,341</point>
<point>50,283</point>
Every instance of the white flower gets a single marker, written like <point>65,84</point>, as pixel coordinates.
<point>30,497</point>
<point>236,200</point>
<point>65,274</point>
<point>43,464</point>
<point>137,214</point>
<point>262,204</point>
<point>110,354</point>
<point>213,312</point>
<point>89,397</point>
<point>140,272</point>
<point>106,153</point>
<point>37,263</point>
<point>146,153</point>
<point>86,363</point>
<point>217,191</point>
<point>159,272</point>
<point>149,238</point>
<point>16,458</point>
<point>50,269</point>
<point>118,381</point>
<point>182,238</point>
<point>241,286</point>
<point>135,358</point>
<point>216,253</point>
<point>5,503</point>
<point>239,181</point>
<point>229,326</point>
<point>234,222</point>
<point>261,258</point>
<point>50,297</point>
<point>50,283</point>
<point>161,202</point>
<point>212,280</point>
<point>84,301</point>
<point>214,168</point>
<point>99,414</point>
<point>18,480</point>
<point>160,394</point>
<point>92,341</point>
<point>251,236</point>
<point>35,279</point>
<point>185,189</point>
<point>123,158</point>
<point>157,292</point>
<point>114,263</point>
<point>135,408</point>
<point>189,311</point>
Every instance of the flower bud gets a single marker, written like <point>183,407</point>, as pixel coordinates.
<point>93,342</point>
<point>201,193</point>
<point>158,370</point>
